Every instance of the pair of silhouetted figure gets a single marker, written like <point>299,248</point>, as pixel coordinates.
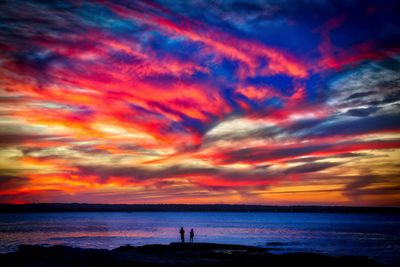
<point>182,232</point>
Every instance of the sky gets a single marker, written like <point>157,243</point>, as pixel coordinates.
<point>252,102</point>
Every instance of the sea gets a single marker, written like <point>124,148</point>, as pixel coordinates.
<point>373,235</point>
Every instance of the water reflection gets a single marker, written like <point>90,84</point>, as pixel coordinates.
<point>337,234</point>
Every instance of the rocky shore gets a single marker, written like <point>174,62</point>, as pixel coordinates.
<point>174,254</point>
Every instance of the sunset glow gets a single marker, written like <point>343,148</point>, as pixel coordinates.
<point>261,102</point>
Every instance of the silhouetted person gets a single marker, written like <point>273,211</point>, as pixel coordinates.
<point>182,232</point>
<point>191,235</point>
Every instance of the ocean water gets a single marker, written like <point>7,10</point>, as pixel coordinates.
<point>373,235</point>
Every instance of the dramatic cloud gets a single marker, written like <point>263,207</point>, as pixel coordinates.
<point>179,102</point>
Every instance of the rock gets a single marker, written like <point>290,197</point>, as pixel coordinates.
<point>174,254</point>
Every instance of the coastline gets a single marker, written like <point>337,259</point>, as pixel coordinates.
<point>85,207</point>
<point>174,254</point>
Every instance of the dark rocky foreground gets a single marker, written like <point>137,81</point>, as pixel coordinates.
<point>175,254</point>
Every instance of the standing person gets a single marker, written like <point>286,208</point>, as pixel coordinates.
<point>191,235</point>
<point>182,232</point>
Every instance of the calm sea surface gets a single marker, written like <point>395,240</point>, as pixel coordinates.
<point>373,235</point>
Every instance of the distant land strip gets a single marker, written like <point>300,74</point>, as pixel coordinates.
<point>81,207</point>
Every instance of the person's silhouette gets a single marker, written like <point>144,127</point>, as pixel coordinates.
<point>191,235</point>
<point>182,232</point>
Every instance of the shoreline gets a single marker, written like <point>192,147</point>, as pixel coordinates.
<point>174,254</point>
<point>84,207</point>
